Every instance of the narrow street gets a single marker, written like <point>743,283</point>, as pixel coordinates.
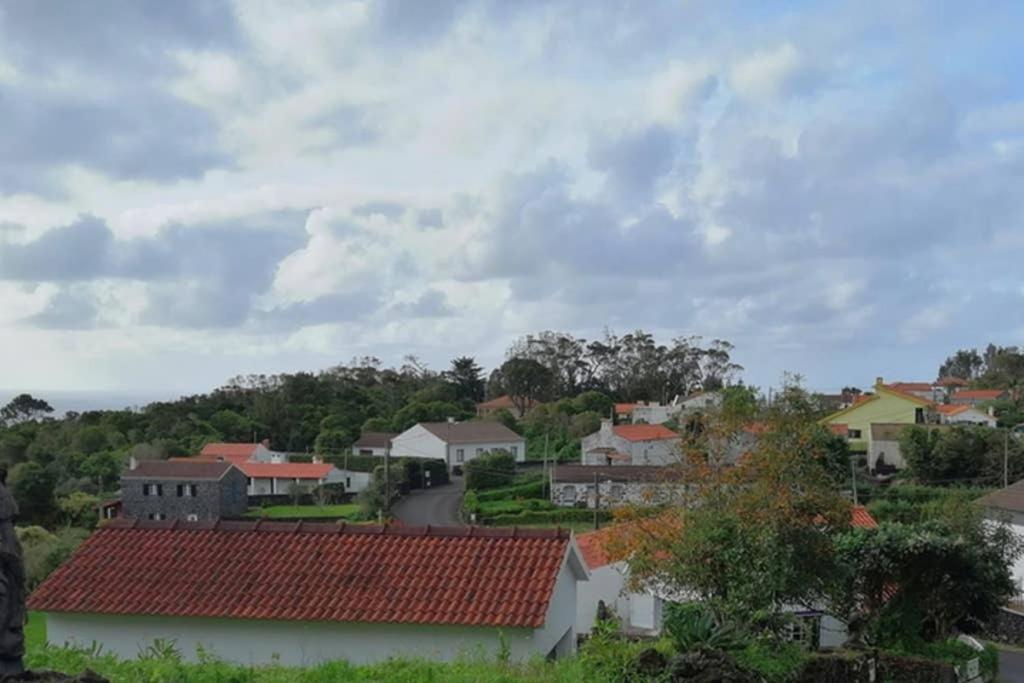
<point>437,506</point>
<point>1011,666</point>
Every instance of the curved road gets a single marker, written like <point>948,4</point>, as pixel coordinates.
<point>437,506</point>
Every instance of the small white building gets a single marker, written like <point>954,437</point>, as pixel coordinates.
<point>372,443</point>
<point>457,442</point>
<point>638,613</point>
<point>298,594</point>
<point>633,444</point>
<point>698,401</point>
<point>1007,505</point>
<point>965,414</point>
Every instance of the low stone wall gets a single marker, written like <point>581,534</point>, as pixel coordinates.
<point>914,670</point>
<point>1007,627</point>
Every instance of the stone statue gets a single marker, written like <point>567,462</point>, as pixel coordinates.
<point>12,586</point>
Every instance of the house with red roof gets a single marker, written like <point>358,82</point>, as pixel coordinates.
<point>951,413</point>
<point>640,612</point>
<point>302,593</point>
<point>633,444</point>
<point>270,473</point>
<point>972,397</point>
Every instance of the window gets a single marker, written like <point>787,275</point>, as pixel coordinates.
<point>460,454</point>
<point>186,490</point>
<point>365,451</point>
<point>348,483</point>
<point>854,433</point>
<point>192,518</point>
<point>804,630</point>
<point>515,451</point>
<point>156,516</point>
<point>152,489</point>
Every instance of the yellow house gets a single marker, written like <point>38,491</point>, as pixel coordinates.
<point>886,405</point>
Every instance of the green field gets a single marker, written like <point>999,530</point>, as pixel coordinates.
<point>35,631</point>
<point>346,511</point>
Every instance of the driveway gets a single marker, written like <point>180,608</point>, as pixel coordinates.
<point>436,506</point>
<point>1011,666</point>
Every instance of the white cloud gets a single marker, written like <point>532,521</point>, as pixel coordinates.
<point>767,73</point>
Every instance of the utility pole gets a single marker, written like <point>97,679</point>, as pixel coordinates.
<point>387,479</point>
<point>1006,458</point>
<point>597,500</point>
<point>853,474</point>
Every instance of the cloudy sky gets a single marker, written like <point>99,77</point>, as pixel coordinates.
<point>193,190</point>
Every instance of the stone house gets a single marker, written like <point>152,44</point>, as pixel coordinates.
<point>634,444</point>
<point>574,485</point>
<point>158,490</point>
<point>300,593</point>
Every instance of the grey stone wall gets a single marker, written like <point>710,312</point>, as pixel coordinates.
<point>214,499</point>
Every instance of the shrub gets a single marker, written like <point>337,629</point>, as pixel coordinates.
<point>531,489</point>
<point>490,470</point>
<point>512,507</point>
<point>692,626</point>
<point>470,503</point>
<point>776,662</point>
<point>43,551</point>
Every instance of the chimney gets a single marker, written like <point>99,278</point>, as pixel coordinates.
<point>879,381</point>
<point>133,463</point>
<point>265,443</point>
<point>606,426</point>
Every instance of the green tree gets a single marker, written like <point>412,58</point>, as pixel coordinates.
<point>79,509</point>
<point>32,486</point>
<point>92,439</point>
<point>333,442</point>
<point>103,468</point>
<point>467,377</point>
<point>594,402</point>
<point>526,381</point>
<point>24,408</point>
<point>490,470</point>
<point>233,425</point>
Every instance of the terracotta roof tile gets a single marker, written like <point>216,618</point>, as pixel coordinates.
<point>979,394</point>
<point>911,386</point>
<point>229,451</point>
<point>290,571</point>
<point>862,518</point>
<point>624,408</point>
<point>644,432</point>
<point>285,470</point>
<point>951,409</point>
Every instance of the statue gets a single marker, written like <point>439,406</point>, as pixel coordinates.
<point>12,586</point>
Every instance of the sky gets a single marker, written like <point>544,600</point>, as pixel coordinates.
<point>195,190</point>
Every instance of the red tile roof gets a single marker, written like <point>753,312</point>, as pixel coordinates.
<point>232,452</point>
<point>951,382</point>
<point>625,408</point>
<point>644,432</point>
<point>951,409</point>
<point>911,386</point>
<point>285,470</point>
<point>862,518</point>
<point>311,572</point>
<point>980,394</point>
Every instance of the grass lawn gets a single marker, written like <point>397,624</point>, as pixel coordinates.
<point>346,511</point>
<point>35,630</point>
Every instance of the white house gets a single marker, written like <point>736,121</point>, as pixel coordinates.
<point>634,444</point>
<point>644,412</point>
<point>698,401</point>
<point>1007,505</point>
<point>372,443</point>
<point>257,593</point>
<point>965,414</point>
<point>457,442</point>
<point>642,611</point>
<point>638,613</point>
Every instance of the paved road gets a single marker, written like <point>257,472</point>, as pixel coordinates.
<point>437,506</point>
<point>1011,666</point>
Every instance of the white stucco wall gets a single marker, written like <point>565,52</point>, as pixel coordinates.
<point>606,584</point>
<point>657,452</point>
<point>250,642</point>
<point>891,451</point>
<point>417,442</point>
<point>472,450</point>
<point>355,481</point>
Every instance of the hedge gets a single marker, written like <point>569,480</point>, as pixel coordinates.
<point>511,507</point>
<point>533,489</point>
<point>559,516</point>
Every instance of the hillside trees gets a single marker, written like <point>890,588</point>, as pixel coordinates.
<point>24,408</point>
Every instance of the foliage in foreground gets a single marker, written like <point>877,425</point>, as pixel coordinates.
<point>164,666</point>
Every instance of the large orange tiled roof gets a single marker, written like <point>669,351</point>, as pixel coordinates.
<point>285,470</point>
<point>644,432</point>
<point>232,452</point>
<point>311,572</point>
<point>982,394</point>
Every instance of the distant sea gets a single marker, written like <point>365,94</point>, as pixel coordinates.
<point>81,401</point>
